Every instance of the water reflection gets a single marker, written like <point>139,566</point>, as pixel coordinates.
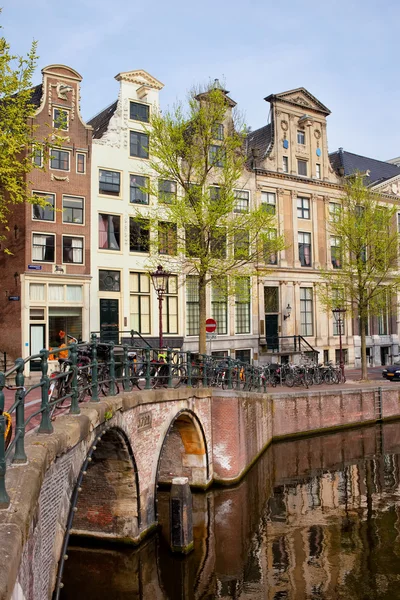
<point>315,519</point>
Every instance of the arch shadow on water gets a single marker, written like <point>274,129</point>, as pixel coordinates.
<point>96,487</point>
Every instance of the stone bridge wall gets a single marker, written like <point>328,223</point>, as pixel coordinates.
<point>220,435</point>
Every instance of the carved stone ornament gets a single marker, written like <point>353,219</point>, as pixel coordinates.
<point>284,125</point>
<point>271,157</point>
<point>317,134</point>
<point>59,178</point>
<point>396,188</point>
<point>280,191</point>
<point>326,199</point>
<point>300,100</point>
<point>62,89</point>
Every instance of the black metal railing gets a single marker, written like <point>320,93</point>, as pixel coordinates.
<point>290,344</point>
<point>89,370</point>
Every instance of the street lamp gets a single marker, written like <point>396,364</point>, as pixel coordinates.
<point>160,281</point>
<point>337,313</point>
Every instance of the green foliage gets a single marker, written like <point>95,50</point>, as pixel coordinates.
<point>368,244</point>
<point>17,132</point>
<point>202,149</point>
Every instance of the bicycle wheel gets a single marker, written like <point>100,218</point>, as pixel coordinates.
<point>289,380</point>
<point>328,378</point>
<point>309,378</point>
<point>317,377</point>
<point>179,376</point>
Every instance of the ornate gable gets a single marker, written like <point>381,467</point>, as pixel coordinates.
<point>140,77</point>
<point>300,97</point>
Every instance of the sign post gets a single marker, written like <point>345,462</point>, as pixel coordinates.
<point>211,326</point>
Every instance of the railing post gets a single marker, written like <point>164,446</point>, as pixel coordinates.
<point>169,362</point>
<point>45,423</point>
<point>147,353</point>
<point>94,369</point>
<point>19,454</point>
<point>75,410</point>
<point>4,498</point>
<point>125,380</point>
<point>189,368</point>
<point>112,369</point>
<point>229,373</point>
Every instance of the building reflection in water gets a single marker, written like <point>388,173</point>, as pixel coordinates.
<point>317,518</point>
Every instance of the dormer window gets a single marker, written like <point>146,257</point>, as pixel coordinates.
<point>218,132</point>
<point>301,137</point>
<point>60,119</point>
<point>139,112</point>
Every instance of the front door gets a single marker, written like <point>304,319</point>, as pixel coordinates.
<point>271,330</point>
<point>36,343</point>
<point>109,320</point>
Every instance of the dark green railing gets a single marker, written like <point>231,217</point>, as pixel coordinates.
<point>103,368</point>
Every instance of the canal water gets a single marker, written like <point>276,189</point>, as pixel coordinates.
<point>315,518</point>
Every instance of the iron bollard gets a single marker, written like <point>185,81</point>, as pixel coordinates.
<point>112,370</point>
<point>204,360</point>
<point>45,422</point>
<point>94,370</point>
<point>125,380</point>
<point>75,410</point>
<point>229,373</point>
<point>4,498</point>
<point>169,362</point>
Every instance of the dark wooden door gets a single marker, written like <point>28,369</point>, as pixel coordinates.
<point>271,331</point>
<point>109,320</point>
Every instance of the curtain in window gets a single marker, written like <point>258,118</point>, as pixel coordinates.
<point>39,247</point>
<point>307,255</point>
<point>36,292</point>
<point>103,231</point>
<point>56,293</point>
<point>77,250</point>
<point>74,293</point>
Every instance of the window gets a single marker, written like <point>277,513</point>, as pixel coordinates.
<point>72,250</point>
<point>138,187</point>
<point>192,305</point>
<point>139,112</point>
<point>72,210</point>
<point>139,284</point>
<point>243,356</point>
<point>59,159</point>
<point>219,305</point>
<point>345,355</point>
<point>193,240</point>
<point>271,300</point>
<point>383,316</point>
<point>218,242</point>
<point>60,119</point>
<point>166,191</point>
<point>268,202</point>
<point>306,311</point>
<point>44,213</point>
<point>303,208</point>
<point>74,293</point>
<point>301,167</point>
<point>43,247</point>
<point>215,194</point>
<point>336,325</point>
<point>109,232</point>
<point>37,155</point>
<point>301,137</point>
<point>216,156</point>
<point>241,245</point>
<point>167,238</point>
<point>36,292</point>
<point>139,144</point>
<point>334,212</point>
<point>305,249</point>
<point>242,201</point>
<point>109,281</point>
<point>336,252</point>
<point>285,164</point>
<point>139,235</point>
<point>242,305</point>
<point>109,182</point>
<point>170,306</point>
<point>318,171</point>
<point>80,163</point>
<point>218,131</point>
<point>36,314</point>
<point>270,258</point>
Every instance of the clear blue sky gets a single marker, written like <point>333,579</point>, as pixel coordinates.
<point>345,53</point>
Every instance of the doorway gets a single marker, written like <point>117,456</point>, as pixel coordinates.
<point>271,331</point>
<point>37,341</point>
<point>109,320</point>
<point>385,355</point>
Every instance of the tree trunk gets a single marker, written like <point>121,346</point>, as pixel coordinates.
<point>202,314</point>
<point>364,366</point>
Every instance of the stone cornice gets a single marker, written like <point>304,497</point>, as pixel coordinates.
<point>140,77</point>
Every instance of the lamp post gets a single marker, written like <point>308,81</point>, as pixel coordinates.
<point>160,282</point>
<point>337,313</point>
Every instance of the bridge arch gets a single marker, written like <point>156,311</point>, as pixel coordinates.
<point>184,452</point>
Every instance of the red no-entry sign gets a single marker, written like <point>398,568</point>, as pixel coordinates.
<point>211,325</point>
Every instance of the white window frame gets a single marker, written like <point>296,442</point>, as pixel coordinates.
<point>301,134</point>
<point>78,237</point>
<point>269,199</point>
<point>44,233</point>
<point>61,109</point>
<point>85,161</point>
<point>83,209</point>
<point>40,193</point>
<point>69,160</point>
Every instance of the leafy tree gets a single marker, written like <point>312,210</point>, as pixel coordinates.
<point>366,279</point>
<point>198,155</point>
<point>18,143</point>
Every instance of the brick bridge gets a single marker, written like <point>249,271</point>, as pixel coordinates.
<point>98,473</point>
